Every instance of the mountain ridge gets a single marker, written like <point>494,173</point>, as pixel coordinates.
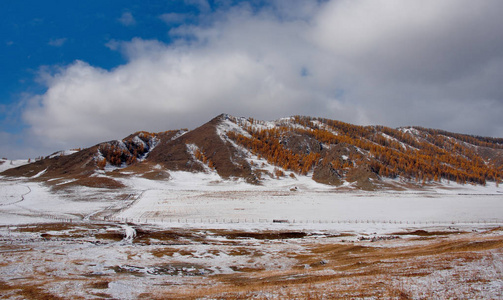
<point>329,151</point>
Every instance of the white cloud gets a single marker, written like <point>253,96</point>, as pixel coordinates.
<point>113,45</point>
<point>429,63</point>
<point>422,40</point>
<point>57,42</point>
<point>127,19</point>
<point>175,18</point>
<point>202,5</point>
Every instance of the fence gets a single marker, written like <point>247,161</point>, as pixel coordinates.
<point>252,221</point>
<point>283,221</point>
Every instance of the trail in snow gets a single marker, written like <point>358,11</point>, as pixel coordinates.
<point>114,207</point>
<point>20,200</point>
<point>23,202</point>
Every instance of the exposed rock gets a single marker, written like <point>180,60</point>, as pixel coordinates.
<point>363,176</point>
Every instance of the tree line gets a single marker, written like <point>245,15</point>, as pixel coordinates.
<point>427,155</point>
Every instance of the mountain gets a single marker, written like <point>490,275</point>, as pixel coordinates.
<point>328,151</point>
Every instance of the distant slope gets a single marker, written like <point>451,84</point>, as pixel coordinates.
<point>6,164</point>
<point>330,151</point>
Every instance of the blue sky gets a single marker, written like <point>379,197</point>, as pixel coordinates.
<point>75,73</point>
<point>47,33</point>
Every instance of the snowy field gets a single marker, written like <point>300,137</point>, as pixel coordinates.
<point>196,236</point>
<point>307,208</point>
<point>199,200</point>
<point>204,200</point>
<point>23,202</point>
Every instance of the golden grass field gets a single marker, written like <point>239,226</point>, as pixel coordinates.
<point>92,261</point>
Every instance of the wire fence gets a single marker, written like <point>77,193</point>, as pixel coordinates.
<point>252,221</point>
<point>287,221</point>
<point>59,219</point>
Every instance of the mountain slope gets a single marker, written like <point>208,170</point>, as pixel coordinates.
<point>203,148</point>
<point>329,151</point>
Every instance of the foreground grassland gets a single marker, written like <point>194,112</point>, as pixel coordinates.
<point>95,261</point>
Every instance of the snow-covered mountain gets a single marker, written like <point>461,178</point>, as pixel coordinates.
<point>327,151</point>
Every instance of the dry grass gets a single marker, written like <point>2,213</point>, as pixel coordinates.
<point>340,271</point>
<point>165,251</point>
<point>103,284</point>
<point>172,263</point>
<point>424,233</point>
<point>26,291</point>
<point>45,227</point>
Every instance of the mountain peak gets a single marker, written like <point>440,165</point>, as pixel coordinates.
<point>222,117</point>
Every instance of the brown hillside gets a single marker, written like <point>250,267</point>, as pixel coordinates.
<point>330,151</point>
<point>81,163</point>
<point>226,160</point>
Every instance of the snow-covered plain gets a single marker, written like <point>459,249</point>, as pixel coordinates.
<point>157,239</point>
<point>25,202</point>
<point>205,200</point>
<point>308,207</point>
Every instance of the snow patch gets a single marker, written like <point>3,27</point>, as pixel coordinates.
<point>192,149</point>
<point>390,138</point>
<point>137,141</point>
<point>129,233</point>
<point>63,153</point>
<point>179,134</point>
<point>227,125</point>
<point>410,130</point>
<point>39,173</point>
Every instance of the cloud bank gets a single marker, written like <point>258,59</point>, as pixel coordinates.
<point>432,63</point>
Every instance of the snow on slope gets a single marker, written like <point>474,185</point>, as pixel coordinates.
<point>227,125</point>
<point>192,149</point>
<point>63,153</point>
<point>6,164</point>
